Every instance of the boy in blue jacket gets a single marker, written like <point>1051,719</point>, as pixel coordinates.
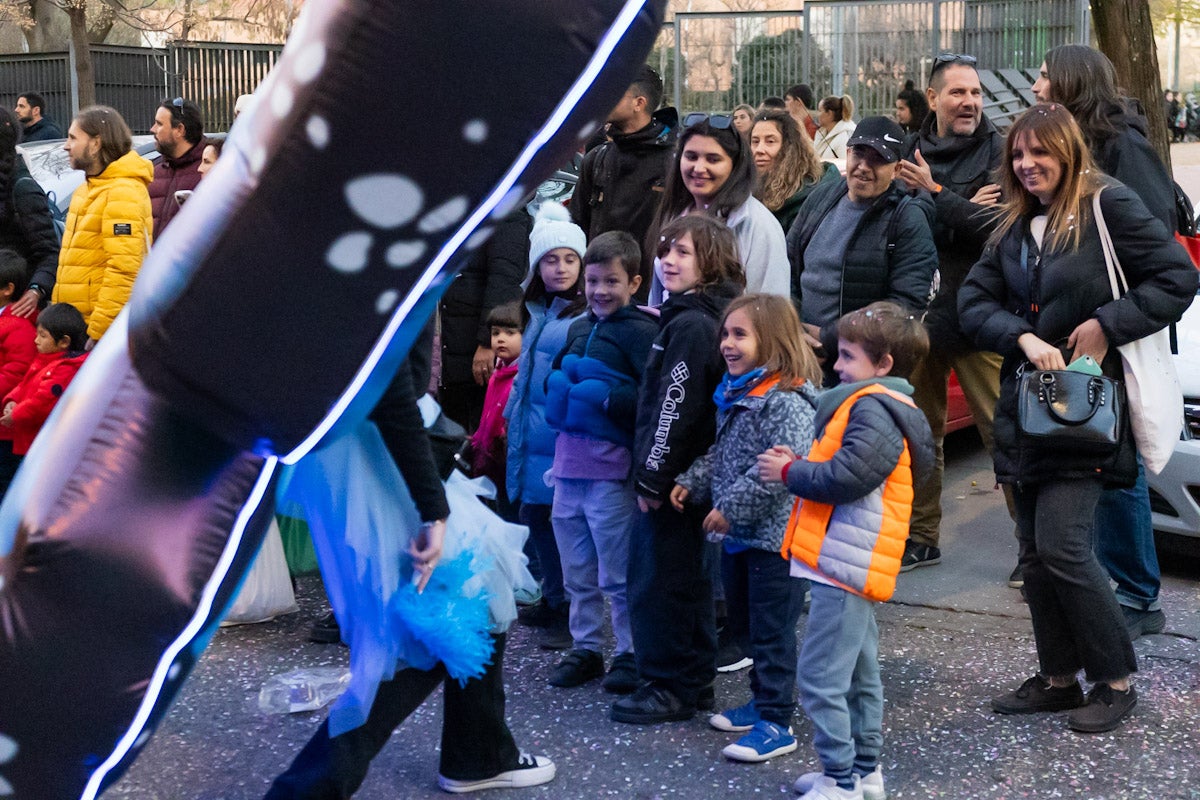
<point>591,400</point>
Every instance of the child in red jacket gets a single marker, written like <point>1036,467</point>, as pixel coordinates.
<point>61,335</point>
<point>17,350</point>
<point>489,444</point>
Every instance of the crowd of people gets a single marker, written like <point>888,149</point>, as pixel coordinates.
<point>714,386</point>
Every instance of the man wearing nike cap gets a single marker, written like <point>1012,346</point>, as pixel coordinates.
<point>861,239</point>
<point>952,158</point>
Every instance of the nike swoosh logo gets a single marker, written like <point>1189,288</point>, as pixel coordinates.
<point>888,138</point>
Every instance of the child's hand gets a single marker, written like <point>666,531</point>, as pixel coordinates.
<point>715,522</point>
<point>772,462</point>
<point>679,496</point>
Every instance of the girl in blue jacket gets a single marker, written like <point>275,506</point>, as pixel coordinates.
<point>554,297</point>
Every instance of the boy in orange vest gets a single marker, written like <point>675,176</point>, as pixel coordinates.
<point>846,535</point>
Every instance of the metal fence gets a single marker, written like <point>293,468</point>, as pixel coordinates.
<point>134,80</point>
<point>864,48</point>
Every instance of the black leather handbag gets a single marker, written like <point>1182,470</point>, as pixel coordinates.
<point>1074,410</point>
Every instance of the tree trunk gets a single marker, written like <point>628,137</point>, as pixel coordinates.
<point>84,74</point>
<point>1126,35</point>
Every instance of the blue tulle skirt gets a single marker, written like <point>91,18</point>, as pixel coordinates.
<point>362,520</point>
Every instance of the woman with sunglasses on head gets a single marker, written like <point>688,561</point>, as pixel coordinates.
<point>788,167</point>
<point>834,127</point>
<point>714,175</point>
<point>1084,81</point>
<point>1040,296</point>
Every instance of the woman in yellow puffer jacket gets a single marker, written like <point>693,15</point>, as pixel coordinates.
<point>109,221</point>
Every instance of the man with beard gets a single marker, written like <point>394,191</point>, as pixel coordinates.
<point>179,135</point>
<point>38,127</point>
<point>952,157</point>
<point>108,223</point>
<point>621,181</point>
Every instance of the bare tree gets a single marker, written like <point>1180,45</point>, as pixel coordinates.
<point>1125,33</point>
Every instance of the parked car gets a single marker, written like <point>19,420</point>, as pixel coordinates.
<point>48,164</point>
<point>1175,492</point>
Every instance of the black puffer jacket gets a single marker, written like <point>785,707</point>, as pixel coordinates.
<point>42,131</point>
<point>676,419</point>
<point>491,278</point>
<point>621,182</point>
<point>962,165</point>
<point>994,308</point>
<point>27,227</point>
<point>1128,156</point>
<point>867,273</point>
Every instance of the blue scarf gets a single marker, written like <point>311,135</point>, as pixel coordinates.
<point>732,389</point>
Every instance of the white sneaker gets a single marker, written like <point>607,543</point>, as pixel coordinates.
<point>819,786</point>
<point>530,771</point>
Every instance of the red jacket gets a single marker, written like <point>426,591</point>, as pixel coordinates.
<point>16,350</point>
<point>37,393</point>
<point>489,444</point>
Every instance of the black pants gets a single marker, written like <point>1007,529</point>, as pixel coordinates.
<point>670,586</point>
<point>1077,623</point>
<point>764,603</point>
<point>476,742</point>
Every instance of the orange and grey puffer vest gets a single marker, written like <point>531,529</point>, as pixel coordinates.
<point>856,545</point>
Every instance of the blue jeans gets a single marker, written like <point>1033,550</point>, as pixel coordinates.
<point>838,676</point>
<point>541,533</point>
<point>593,521</point>
<point>764,602</point>
<point>1124,544</point>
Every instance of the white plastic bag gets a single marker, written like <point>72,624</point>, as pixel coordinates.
<point>267,592</point>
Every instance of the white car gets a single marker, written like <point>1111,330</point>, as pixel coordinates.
<point>48,164</point>
<point>1175,493</point>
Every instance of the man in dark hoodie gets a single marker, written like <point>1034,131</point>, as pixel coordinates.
<point>621,181</point>
<point>31,110</point>
<point>952,157</point>
<point>179,135</point>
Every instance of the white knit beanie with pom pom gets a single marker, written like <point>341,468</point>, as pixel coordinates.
<point>552,228</point>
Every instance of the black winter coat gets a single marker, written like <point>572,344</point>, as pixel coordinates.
<point>27,227</point>
<point>868,274</point>
<point>676,420</point>
<point>1071,287</point>
<point>962,165</point>
<point>491,278</point>
<point>1129,157</point>
<point>41,131</point>
<point>621,183</point>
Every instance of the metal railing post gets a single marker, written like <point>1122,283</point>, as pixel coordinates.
<point>678,70</point>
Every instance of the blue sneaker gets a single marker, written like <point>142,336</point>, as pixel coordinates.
<point>764,741</point>
<point>735,720</point>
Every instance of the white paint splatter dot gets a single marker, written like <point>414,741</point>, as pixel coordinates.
<point>309,62</point>
<point>258,160</point>
<point>478,238</point>
<point>404,254</point>
<point>588,130</point>
<point>475,131</point>
<point>444,215</point>
<point>318,132</point>
<point>349,253</point>
<point>385,201</point>
<point>282,99</point>
<point>510,201</point>
<point>386,301</point>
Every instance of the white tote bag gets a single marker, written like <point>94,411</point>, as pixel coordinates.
<point>267,590</point>
<point>1155,399</point>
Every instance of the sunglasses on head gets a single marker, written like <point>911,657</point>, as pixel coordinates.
<point>720,122</point>
<point>944,60</point>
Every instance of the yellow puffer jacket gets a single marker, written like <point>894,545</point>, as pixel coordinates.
<point>108,234</point>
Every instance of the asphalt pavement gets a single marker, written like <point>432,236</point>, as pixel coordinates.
<point>953,636</point>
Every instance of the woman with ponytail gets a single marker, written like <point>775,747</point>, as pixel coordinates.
<point>834,127</point>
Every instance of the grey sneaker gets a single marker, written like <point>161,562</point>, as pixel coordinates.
<point>1143,623</point>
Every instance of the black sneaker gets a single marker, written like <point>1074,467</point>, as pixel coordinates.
<point>529,771</point>
<point>649,705</point>
<point>1105,709</point>
<point>577,668</point>
<point>557,636</point>
<point>919,555</point>
<point>622,677</point>
<point>538,615</point>
<point>1015,579</point>
<point>1143,623</point>
<point>1036,695</point>
<point>325,630</point>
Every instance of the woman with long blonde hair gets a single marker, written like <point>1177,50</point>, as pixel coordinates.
<point>1040,296</point>
<point>788,167</point>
